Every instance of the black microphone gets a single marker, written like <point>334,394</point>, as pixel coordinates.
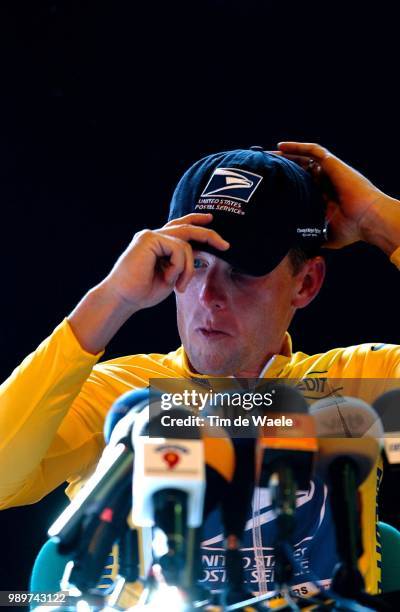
<point>349,432</point>
<point>236,494</point>
<point>235,509</point>
<point>287,453</point>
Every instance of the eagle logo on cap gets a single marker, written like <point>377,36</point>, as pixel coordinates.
<point>232,183</point>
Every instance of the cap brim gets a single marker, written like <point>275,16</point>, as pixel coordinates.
<point>254,255</point>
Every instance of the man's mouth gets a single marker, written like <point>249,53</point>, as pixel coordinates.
<point>212,332</point>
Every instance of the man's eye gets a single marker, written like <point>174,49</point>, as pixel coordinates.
<point>198,263</point>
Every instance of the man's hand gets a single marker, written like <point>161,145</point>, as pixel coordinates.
<point>354,204</point>
<point>157,261</point>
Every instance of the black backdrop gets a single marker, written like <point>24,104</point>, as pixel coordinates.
<point>104,104</point>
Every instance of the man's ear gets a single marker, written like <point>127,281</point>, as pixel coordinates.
<point>309,281</point>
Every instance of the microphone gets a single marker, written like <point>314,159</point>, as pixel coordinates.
<point>102,487</point>
<point>176,459</point>
<point>114,467</point>
<point>346,427</point>
<point>388,408</point>
<point>294,445</point>
<point>285,456</point>
<point>96,517</point>
<point>130,402</point>
<point>178,479</point>
<point>235,509</point>
<point>348,431</point>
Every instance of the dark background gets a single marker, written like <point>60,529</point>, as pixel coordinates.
<point>104,104</point>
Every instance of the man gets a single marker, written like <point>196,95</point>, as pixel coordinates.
<point>235,301</point>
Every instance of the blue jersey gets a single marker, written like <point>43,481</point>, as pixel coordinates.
<point>313,541</point>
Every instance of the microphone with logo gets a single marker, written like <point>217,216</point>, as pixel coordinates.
<point>349,431</point>
<point>180,474</point>
<point>286,455</point>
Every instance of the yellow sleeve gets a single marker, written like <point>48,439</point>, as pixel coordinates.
<point>395,257</point>
<point>39,447</point>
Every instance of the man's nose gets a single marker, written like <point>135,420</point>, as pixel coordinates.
<point>213,293</point>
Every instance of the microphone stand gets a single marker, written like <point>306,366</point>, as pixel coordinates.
<point>347,580</point>
<point>170,511</point>
<point>283,493</point>
<point>97,538</point>
<point>181,564</point>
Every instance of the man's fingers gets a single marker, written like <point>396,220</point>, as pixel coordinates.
<point>175,261</point>
<point>187,274</point>
<point>176,264</point>
<point>301,160</point>
<point>170,245</point>
<point>199,234</point>
<point>307,162</point>
<point>189,228</point>
<point>202,234</point>
<point>309,149</point>
<point>191,218</point>
<point>304,161</point>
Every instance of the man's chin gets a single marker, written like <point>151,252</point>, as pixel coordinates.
<point>212,364</point>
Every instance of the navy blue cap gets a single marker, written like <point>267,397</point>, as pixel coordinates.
<point>262,203</point>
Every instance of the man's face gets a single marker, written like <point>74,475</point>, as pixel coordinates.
<point>230,323</point>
